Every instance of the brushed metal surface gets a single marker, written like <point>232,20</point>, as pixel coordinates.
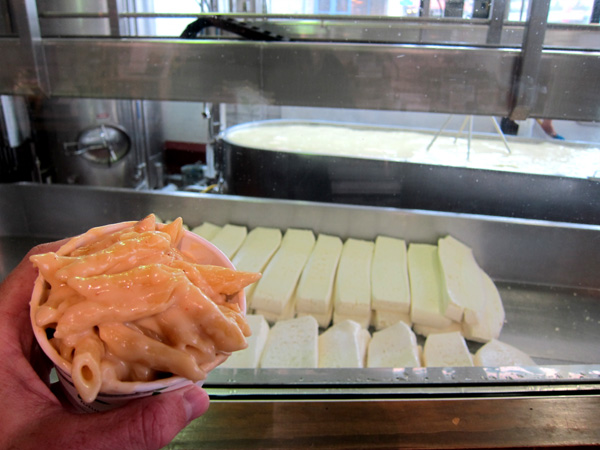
<point>377,76</point>
<point>512,250</point>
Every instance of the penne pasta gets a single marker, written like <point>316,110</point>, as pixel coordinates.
<point>129,306</point>
<point>122,297</point>
<point>103,241</point>
<point>148,248</point>
<point>133,346</point>
<point>86,372</point>
<point>187,335</point>
<point>222,328</point>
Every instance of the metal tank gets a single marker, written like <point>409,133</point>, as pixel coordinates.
<point>100,142</point>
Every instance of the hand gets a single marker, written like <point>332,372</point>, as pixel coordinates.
<point>32,416</point>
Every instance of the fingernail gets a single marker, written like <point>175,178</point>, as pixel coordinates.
<point>195,402</point>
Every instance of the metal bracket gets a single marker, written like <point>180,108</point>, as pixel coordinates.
<point>526,86</point>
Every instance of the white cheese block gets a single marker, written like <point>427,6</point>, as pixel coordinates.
<point>268,315</point>
<point>256,251</point>
<point>426,330</point>
<point>463,293</point>
<point>323,319</point>
<point>446,350</point>
<point>426,286</point>
<point>363,342</point>
<point>352,293</point>
<point>389,275</point>
<point>207,230</point>
<point>364,320</point>
<point>382,319</point>
<point>249,358</point>
<point>315,288</point>
<point>394,346</point>
<point>493,315</point>
<point>496,353</point>
<point>274,291</point>
<point>292,344</point>
<point>342,345</point>
<point>229,239</point>
<point>288,312</point>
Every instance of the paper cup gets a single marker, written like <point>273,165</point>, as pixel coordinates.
<point>200,250</point>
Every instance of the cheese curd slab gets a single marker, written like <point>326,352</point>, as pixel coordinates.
<point>426,286</point>
<point>256,251</point>
<point>292,344</point>
<point>496,353</point>
<point>446,350</point>
<point>274,292</point>
<point>324,320</point>
<point>364,320</point>
<point>394,346</point>
<point>315,288</point>
<point>229,239</point>
<point>352,294</point>
<point>492,318</point>
<point>463,283</point>
<point>249,358</point>
<point>382,319</point>
<point>389,276</point>
<point>342,345</point>
<point>425,330</point>
<point>207,230</point>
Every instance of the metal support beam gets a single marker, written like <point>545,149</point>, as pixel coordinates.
<point>526,84</point>
<point>497,16</point>
<point>34,76</point>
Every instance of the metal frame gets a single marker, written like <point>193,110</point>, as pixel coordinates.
<point>449,66</point>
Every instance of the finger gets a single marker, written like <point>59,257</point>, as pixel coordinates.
<point>149,423</point>
<point>15,294</point>
<point>156,420</point>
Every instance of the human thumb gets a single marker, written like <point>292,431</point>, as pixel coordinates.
<point>149,423</point>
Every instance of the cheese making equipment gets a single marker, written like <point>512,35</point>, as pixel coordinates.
<point>94,92</point>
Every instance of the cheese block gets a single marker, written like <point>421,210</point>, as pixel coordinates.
<point>389,276</point>
<point>496,353</point>
<point>288,313</point>
<point>292,344</point>
<point>352,293</point>
<point>446,350</point>
<point>207,230</point>
<point>364,338</point>
<point>249,358</point>
<point>323,319</point>
<point>315,288</point>
<point>426,286</point>
<point>382,319</point>
<point>274,291</point>
<point>461,275</point>
<point>342,345</point>
<point>394,346</point>
<point>229,239</point>
<point>492,319</point>
<point>426,330</point>
<point>256,251</point>
<point>364,320</point>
